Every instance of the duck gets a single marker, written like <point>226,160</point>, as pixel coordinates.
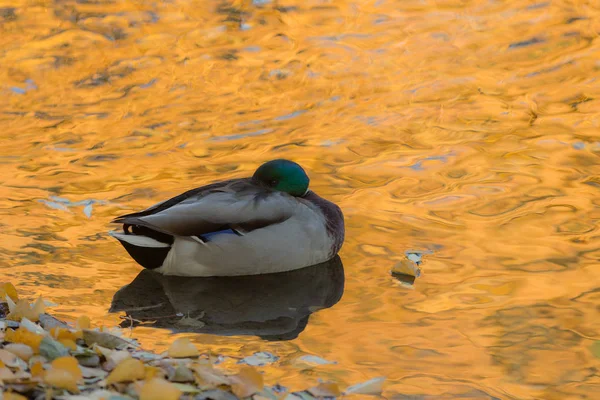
<point>268,223</point>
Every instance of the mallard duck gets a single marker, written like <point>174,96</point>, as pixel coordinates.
<point>271,222</point>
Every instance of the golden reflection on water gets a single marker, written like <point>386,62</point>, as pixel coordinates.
<point>464,127</point>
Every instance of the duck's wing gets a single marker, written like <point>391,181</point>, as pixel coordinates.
<point>238,204</point>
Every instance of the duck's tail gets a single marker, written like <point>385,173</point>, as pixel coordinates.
<point>146,251</point>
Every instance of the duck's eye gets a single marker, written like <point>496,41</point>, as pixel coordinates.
<point>273,182</point>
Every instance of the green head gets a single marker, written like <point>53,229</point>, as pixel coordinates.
<point>283,175</point>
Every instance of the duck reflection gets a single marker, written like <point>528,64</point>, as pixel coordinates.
<point>271,306</point>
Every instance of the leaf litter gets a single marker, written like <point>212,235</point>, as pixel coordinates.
<point>42,357</point>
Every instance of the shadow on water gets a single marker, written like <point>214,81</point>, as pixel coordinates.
<point>273,306</point>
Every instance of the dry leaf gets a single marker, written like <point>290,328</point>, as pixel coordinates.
<point>127,371</point>
<point>69,364</point>
<point>37,369</point>
<point>105,339</point>
<point>33,327</point>
<point>406,267</point>
<point>62,379</point>
<point>6,374</point>
<point>8,358</point>
<point>68,343</point>
<point>13,396</point>
<point>159,389</point>
<point>372,386</point>
<point>182,348</point>
<point>93,372</point>
<point>60,333</point>
<point>7,289</point>
<point>210,376</point>
<point>247,382</point>
<point>22,335</point>
<point>21,310</point>
<point>325,389</point>
<point>153,372</point>
<point>39,307</point>
<point>52,349</point>
<point>20,350</point>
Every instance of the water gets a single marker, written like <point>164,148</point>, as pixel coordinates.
<point>466,129</point>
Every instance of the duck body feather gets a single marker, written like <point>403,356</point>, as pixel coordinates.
<point>235,227</point>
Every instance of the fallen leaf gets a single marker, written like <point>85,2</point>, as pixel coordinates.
<point>6,374</point>
<point>22,335</point>
<point>247,382</point>
<point>372,386</point>
<point>62,379</point>
<point>22,309</point>
<point>182,348</point>
<point>68,343</point>
<point>325,389</point>
<point>52,349</point>
<point>13,396</point>
<point>39,307</point>
<point>185,388</point>
<point>210,376</point>
<point>159,389</point>
<point>37,369</point>
<point>93,372</point>
<point>33,327</point>
<point>152,372</point>
<point>105,339</point>
<point>181,373</point>
<point>48,322</point>
<point>8,358</point>
<point>60,333</point>
<point>117,356</point>
<point>7,289</point>
<point>83,322</point>
<point>126,371</point>
<point>20,350</point>
<point>259,359</point>
<point>70,365</point>
<point>406,267</point>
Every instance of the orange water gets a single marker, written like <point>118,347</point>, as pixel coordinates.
<point>467,128</point>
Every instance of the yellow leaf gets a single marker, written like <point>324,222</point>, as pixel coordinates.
<point>37,369</point>
<point>182,348</point>
<point>22,335</point>
<point>62,379</point>
<point>59,333</point>
<point>39,307</point>
<point>13,396</point>
<point>247,382</point>
<point>68,343</point>
<point>7,289</point>
<point>326,389</point>
<point>69,364</point>
<point>128,370</point>
<point>152,372</point>
<point>159,389</point>
<point>210,377</point>
<point>22,310</point>
<point>83,322</point>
